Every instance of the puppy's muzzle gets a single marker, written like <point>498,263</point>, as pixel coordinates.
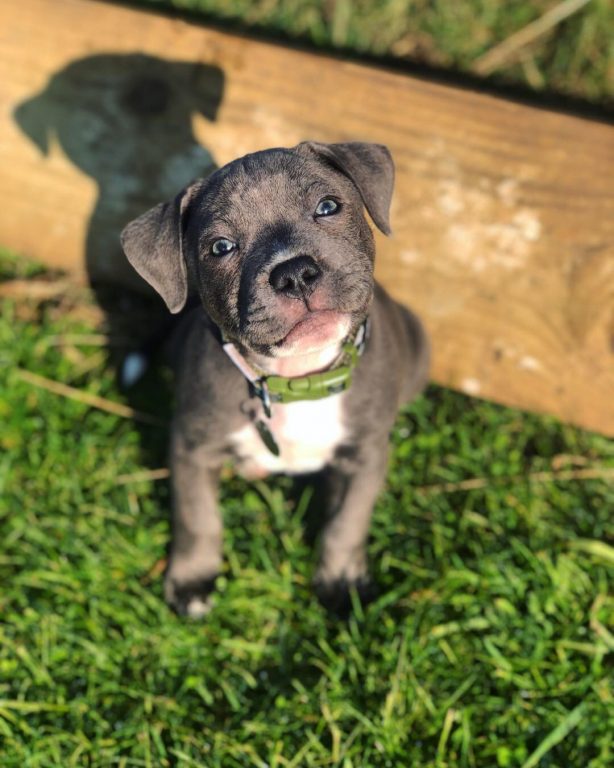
<point>295,278</point>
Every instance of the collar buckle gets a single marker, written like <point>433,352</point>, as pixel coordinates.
<point>260,388</point>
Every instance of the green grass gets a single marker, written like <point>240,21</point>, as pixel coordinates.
<point>487,646</point>
<point>575,58</point>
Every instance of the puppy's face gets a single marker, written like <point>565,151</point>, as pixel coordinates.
<point>281,252</point>
<point>276,243</point>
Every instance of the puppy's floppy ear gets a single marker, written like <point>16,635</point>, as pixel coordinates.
<point>153,244</point>
<point>369,166</point>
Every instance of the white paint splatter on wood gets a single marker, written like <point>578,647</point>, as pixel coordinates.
<point>471,386</point>
<point>482,234</point>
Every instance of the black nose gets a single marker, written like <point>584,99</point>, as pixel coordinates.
<point>296,277</point>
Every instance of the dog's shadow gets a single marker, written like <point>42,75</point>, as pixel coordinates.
<point>127,122</point>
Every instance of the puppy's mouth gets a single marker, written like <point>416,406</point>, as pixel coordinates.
<point>314,331</point>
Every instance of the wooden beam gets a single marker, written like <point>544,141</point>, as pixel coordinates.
<point>503,215</point>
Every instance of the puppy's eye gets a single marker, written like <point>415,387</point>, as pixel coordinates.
<point>222,247</point>
<point>327,207</point>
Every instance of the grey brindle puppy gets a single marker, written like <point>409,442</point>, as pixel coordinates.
<point>278,249</point>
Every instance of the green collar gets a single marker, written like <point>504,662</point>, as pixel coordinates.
<point>315,386</point>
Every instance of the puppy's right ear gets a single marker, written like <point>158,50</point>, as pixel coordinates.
<point>153,244</point>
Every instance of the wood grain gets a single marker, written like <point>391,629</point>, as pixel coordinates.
<point>503,215</point>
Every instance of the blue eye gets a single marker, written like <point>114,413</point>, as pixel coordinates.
<point>327,207</point>
<point>222,247</point>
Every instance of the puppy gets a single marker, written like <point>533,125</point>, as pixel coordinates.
<point>295,360</point>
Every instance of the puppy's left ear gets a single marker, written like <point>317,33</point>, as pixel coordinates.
<point>369,166</point>
<point>153,244</point>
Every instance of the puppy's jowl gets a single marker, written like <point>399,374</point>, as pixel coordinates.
<point>297,361</point>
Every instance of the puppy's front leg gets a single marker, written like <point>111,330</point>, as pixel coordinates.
<point>196,548</point>
<point>352,487</point>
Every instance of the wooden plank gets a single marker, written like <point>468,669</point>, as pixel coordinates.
<point>503,215</point>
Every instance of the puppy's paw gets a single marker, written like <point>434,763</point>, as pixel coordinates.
<point>190,598</point>
<point>336,595</point>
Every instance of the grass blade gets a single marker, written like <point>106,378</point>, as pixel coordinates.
<point>562,730</point>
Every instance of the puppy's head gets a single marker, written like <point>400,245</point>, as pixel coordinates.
<point>276,243</point>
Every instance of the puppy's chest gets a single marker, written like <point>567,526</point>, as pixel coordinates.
<point>306,432</point>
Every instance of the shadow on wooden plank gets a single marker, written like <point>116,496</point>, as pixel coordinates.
<point>126,122</point>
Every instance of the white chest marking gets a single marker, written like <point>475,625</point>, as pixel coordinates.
<point>306,432</point>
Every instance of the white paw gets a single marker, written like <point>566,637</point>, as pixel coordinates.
<point>196,608</point>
